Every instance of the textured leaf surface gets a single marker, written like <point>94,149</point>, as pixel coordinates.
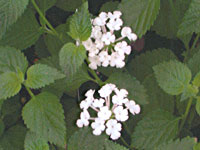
<point>10,11</point>
<point>136,90</point>
<point>109,145</point>
<point>109,6</point>
<point>71,58</point>
<point>68,5</point>
<point>10,84</point>
<point>40,75</point>
<point>80,26</point>
<point>196,80</point>
<point>172,76</point>
<point>191,20</point>
<point>85,140</point>
<point>141,66</point>
<point>184,144</point>
<point>198,105</point>
<point>12,59</point>
<point>44,5</point>
<point>24,32</point>
<point>154,129</point>
<point>140,15</point>
<point>33,142</point>
<point>189,91</point>
<point>44,115</point>
<point>192,63</point>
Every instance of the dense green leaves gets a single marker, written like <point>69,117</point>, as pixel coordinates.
<point>10,84</point>
<point>136,91</point>
<point>109,145</point>
<point>80,26</point>
<point>71,58</point>
<point>10,11</point>
<point>40,75</point>
<point>33,142</point>
<point>191,19</point>
<point>196,80</point>
<point>192,63</point>
<point>172,76</point>
<point>196,147</point>
<point>198,105</point>
<point>85,140</point>
<point>140,15</point>
<point>12,59</point>
<point>154,129</point>
<point>44,115</point>
<point>24,32</point>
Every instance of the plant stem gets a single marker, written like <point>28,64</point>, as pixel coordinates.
<point>125,143</point>
<point>29,91</point>
<point>44,18</point>
<point>184,117</point>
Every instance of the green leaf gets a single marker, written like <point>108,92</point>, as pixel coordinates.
<point>198,105</point>
<point>44,115</point>
<point>189,91</point>
<point>24,33</point>
<point>196,81</point>
<point>172,76</point>
<point>109,145</point>
<point>10,84</point>
<point>185,144</point>
<point>136,90</point>
<point>85,140</point>
<point>139,14</point>
<point>80,26</point>
<point>68,5</point>
<point>11,10</point>
<point>12,59</point>
<point>40,75</point>
<point>109,6</point>
<point>192,63</point>
<point>71,58</point>
<point>33,142</point>
<point>191,19</point>
<point>13,138</point>
<point>141,66</point>
<point>154,129</point>
<point>2,127</point>
<point>197,147</point>
<point>44,5</point>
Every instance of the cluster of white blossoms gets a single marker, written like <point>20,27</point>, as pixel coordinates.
<point>112,108</point>
<point>103,47</point>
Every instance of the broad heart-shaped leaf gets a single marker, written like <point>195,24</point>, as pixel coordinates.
<point>196,81</point>
<point>44,115</point>
<point>141,66</point>
<point>144,14</point>
<point>40,75</point>
<point>172,76</point>
<point>192,63</point>
<point>198,105</point>
<point>12,59</point>
<point>10,11</point>
<point>183,144</point>
<point>109,6</point>
<point>136,90</point>
<point>154,129</point>
<point>191,20</point>
<point>34,142</point>
<point>10,84</point>
<point>80,26</point>
<point>109,145</point>
<point>13,138</point>
<point>71,58</point>
<point>68,5</point>
<point>85,140</point>
<point>24,32</point>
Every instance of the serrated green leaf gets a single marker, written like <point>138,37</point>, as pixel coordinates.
<point>13,138</point>
<point>196,81</point>
<point>44,115</point>
<point>139,14</point>
<point>189,91</point>
<point>10,84</point>
<point>136,90</point>
<point>191,19</point>
<point>80,26</point>
<point>185,144</point>
<point>44,5</point>
<point>10,11</point>
<point>197,147</point>
<point>109,145</point>
<point>154,129</point>
<point>192,63</point>
<point>12,59</point>
<point>141,66</point>
<point>198,105</point>
<point>40,75</point>
<point>109,6</point>
<point>34,142</point>
<point>24,33</point>
<point>68,5</point>
<point>85,140</point>
<point>71,58</point>
<point>172,76</point>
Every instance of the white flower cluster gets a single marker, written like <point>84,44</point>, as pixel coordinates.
<point>112,108</point>
<point>103,47</point>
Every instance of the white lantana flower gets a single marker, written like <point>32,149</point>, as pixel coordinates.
<point>113,129</point>
<point>108,38</point>
<point>104,113</point>
<point>95,62</point>
<point>98,126</point>
<point>83,121</point>
<point>127,32</point>
<point>121,114</point>
<point>133,107</point>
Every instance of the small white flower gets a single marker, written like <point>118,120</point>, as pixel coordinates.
<point>98,126</point>
<point>108,38</point>
<point>83,121</point>
<point>114,24</point>
<point>98,103</point>
<point>123,47</point>
<point>96,32</point>
<point>133,107</point>
<point>104,113</point>
<point>94,62</point>
<point>99,43</point>
<point>104,57</point>
<point>114,15</point>
<point>101,20</point>
<point>117,60</point>
<point>90,94</point>
<point>106,90</point>
<point>121,114</point>
<point>88,44</point>
<point>113,128</point>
